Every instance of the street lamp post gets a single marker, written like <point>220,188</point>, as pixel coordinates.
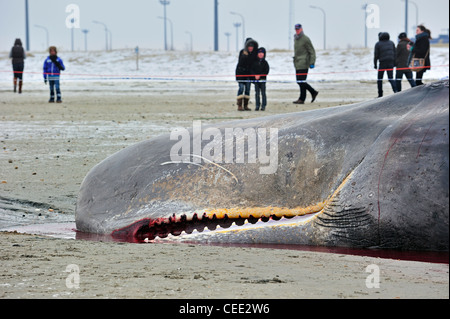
<point>216,25</point>
<point>171,32</point>
<point>364,7</point>
<point>291,23</point>
<point>237,25</point>
<point>46,32</point>
<point>85,31</point>
<point>110,40</point>
<point>324,26</point>
<point>71,32</point>
<point>417,14</point>
<point>106,32</point>
<point>27,29</point>
<point>243,24</point>
<point>406,15</point>
<point>190,35</point>
<point>228,34</point>
<point>165,3</point>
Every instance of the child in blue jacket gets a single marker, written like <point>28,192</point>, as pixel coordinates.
<point>53,65</point>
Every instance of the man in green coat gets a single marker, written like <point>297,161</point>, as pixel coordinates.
<point>304,59</point>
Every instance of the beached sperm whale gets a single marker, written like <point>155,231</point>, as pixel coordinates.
<point>372,174</point>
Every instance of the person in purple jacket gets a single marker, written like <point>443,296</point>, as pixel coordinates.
<point>53,65</point>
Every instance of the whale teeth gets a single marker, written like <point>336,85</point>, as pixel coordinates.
<point>240,222</point>
<point>265,219</point>
<point>176,232</point>
<point>218,220</point>
<point>252,220</point>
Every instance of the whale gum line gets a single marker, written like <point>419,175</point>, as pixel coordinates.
<point>259,212</point>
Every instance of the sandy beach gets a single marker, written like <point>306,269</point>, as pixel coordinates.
<point>35,267</point>
<point>47,149</point>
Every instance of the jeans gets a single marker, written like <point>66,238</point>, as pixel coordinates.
<point>260,89</point>
<point>390,74</point>
<point>301,81</point>
<point>53,82</point>
<point>244,88</point>
<point>409,76</point>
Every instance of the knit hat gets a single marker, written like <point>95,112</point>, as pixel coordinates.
<point>263,50</point>
<point>298,26</point>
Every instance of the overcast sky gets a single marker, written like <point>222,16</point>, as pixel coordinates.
<point>136,22</point>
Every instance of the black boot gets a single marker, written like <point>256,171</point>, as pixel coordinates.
<point>380,89</point>
<point>393,85</point>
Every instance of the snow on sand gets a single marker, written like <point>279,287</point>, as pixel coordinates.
<point>331,65</point>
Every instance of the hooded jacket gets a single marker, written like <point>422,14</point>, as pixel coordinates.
<point>17,53</point>
<point>384,51</point>
<point>260,66</point>
<point>304,53</point>
<point>246,60</point>
<point>53,66</point>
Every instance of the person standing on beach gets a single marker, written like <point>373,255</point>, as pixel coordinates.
<point>53,65</point>
<point>304,59</point>
<point>401,62</point>
<point>385,54</point>
<point>421,50</point>
<point>260,69</point>
<point>246,58</point>
<point>17,55</point>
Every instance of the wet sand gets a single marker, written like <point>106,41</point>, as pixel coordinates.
<point>47,149</point>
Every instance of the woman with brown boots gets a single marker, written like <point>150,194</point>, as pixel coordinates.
<point>246,58</point>
<point>18,56</point>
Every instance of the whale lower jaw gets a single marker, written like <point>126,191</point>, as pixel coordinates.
<point>196,227</point>
<point>235,228</point>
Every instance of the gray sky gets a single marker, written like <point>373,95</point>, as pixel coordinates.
<point>135,22</point>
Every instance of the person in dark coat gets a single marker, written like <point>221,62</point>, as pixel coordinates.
<point>17,55</point>
<point>385,54</point>
<point>421,50</point>
<point>260,69</point>
<point>246,58</point>
<point>304,59</point>
<point>401,62</point>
